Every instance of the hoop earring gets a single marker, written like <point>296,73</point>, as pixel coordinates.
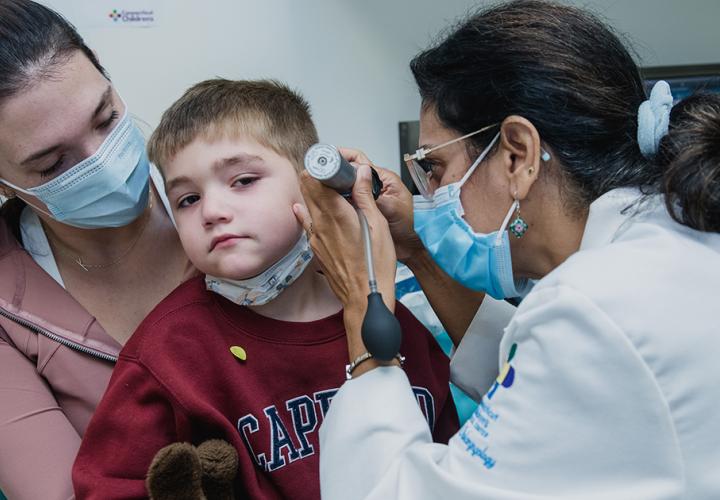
<point>518,227</point>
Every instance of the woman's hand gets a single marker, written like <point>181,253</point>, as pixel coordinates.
<point>335,235</point>
<point>395,203</point>
<point>454,304</point>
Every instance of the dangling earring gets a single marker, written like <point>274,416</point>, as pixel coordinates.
<point>518,227</point>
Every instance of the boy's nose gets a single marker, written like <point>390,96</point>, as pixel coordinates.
<point>215,211</point>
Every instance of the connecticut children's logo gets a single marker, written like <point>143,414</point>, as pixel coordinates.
<point>133,17</point>
<point>507,374</point>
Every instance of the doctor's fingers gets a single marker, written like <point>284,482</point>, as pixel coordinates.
<point>395,201</point>
<point>354,156</point>
<point>382,243</point>
<point>335,238</point>
<point>363,199</point>
<point>303,216</point>
<point>323,202</point>
<point>396,205</point>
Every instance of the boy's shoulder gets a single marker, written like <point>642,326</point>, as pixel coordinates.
<point>410,324</point>
<point>189,304</point>
<point>417,338</point>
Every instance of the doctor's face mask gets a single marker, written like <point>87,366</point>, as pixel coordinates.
<point>481,262</point>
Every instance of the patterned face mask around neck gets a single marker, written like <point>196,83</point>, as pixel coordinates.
<point>267,285</point>
<point>481,262</point>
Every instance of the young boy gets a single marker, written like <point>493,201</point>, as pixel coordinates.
<point>253,351</point>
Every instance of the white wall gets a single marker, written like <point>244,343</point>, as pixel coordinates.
<point>348,57</point>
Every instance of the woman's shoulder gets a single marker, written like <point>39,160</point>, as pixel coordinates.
<point>652,279</point>
<point>639,256</point>
<point>410,324</point>
<point>29,293</point>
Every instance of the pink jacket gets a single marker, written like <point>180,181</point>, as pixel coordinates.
<point>55,362</point>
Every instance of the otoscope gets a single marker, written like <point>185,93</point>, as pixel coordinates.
<point>381,332</point>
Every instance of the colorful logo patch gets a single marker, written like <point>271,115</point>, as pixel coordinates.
<point>115,15</point>
<point>507,374</point>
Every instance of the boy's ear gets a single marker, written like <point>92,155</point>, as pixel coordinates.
<point>521,153</point>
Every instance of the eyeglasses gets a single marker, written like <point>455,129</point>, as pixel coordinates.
<point>421,173</point>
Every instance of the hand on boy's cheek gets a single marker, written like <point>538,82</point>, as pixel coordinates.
<point>334,232</point>
<point>336,239</point>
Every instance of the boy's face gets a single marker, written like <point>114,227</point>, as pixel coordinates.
<point>232,201</point>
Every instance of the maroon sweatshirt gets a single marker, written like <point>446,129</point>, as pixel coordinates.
<point>176,380</point>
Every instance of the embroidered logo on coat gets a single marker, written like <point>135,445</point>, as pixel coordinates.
<point>475,434</point>
<point>507,374</point>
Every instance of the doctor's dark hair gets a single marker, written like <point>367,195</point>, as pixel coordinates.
<point>690,157</point>
<point>34,40</point>
<point>567,73</point>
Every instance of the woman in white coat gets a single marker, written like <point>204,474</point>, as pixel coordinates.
<point>604,382</point>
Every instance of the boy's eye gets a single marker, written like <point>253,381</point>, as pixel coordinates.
<point>186,201</point>
<point>244,181</point>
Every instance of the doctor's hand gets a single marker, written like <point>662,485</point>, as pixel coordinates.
<point>395,203</point>
<point>335,236</point>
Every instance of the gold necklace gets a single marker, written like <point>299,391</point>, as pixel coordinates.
<point>86,267</point>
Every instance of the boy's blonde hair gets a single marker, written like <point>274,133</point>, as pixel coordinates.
<point>267,111</point>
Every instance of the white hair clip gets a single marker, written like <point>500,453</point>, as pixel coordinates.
<point>654,118</point>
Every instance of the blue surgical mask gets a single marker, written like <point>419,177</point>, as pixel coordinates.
<point>108,189</point>
<point>478,261</point>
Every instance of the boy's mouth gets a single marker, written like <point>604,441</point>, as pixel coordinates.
<point>224,240</point>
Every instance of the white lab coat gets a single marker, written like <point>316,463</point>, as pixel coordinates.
<point>611,392</point>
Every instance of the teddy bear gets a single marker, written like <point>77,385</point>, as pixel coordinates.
<point>181,471</point>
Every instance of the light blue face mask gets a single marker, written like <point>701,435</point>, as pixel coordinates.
<point>479,261</point>
<point>108,189</point>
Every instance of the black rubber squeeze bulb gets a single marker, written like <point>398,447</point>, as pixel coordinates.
<point>381,332</point>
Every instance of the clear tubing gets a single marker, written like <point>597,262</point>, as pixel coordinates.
<point>368,251</point>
